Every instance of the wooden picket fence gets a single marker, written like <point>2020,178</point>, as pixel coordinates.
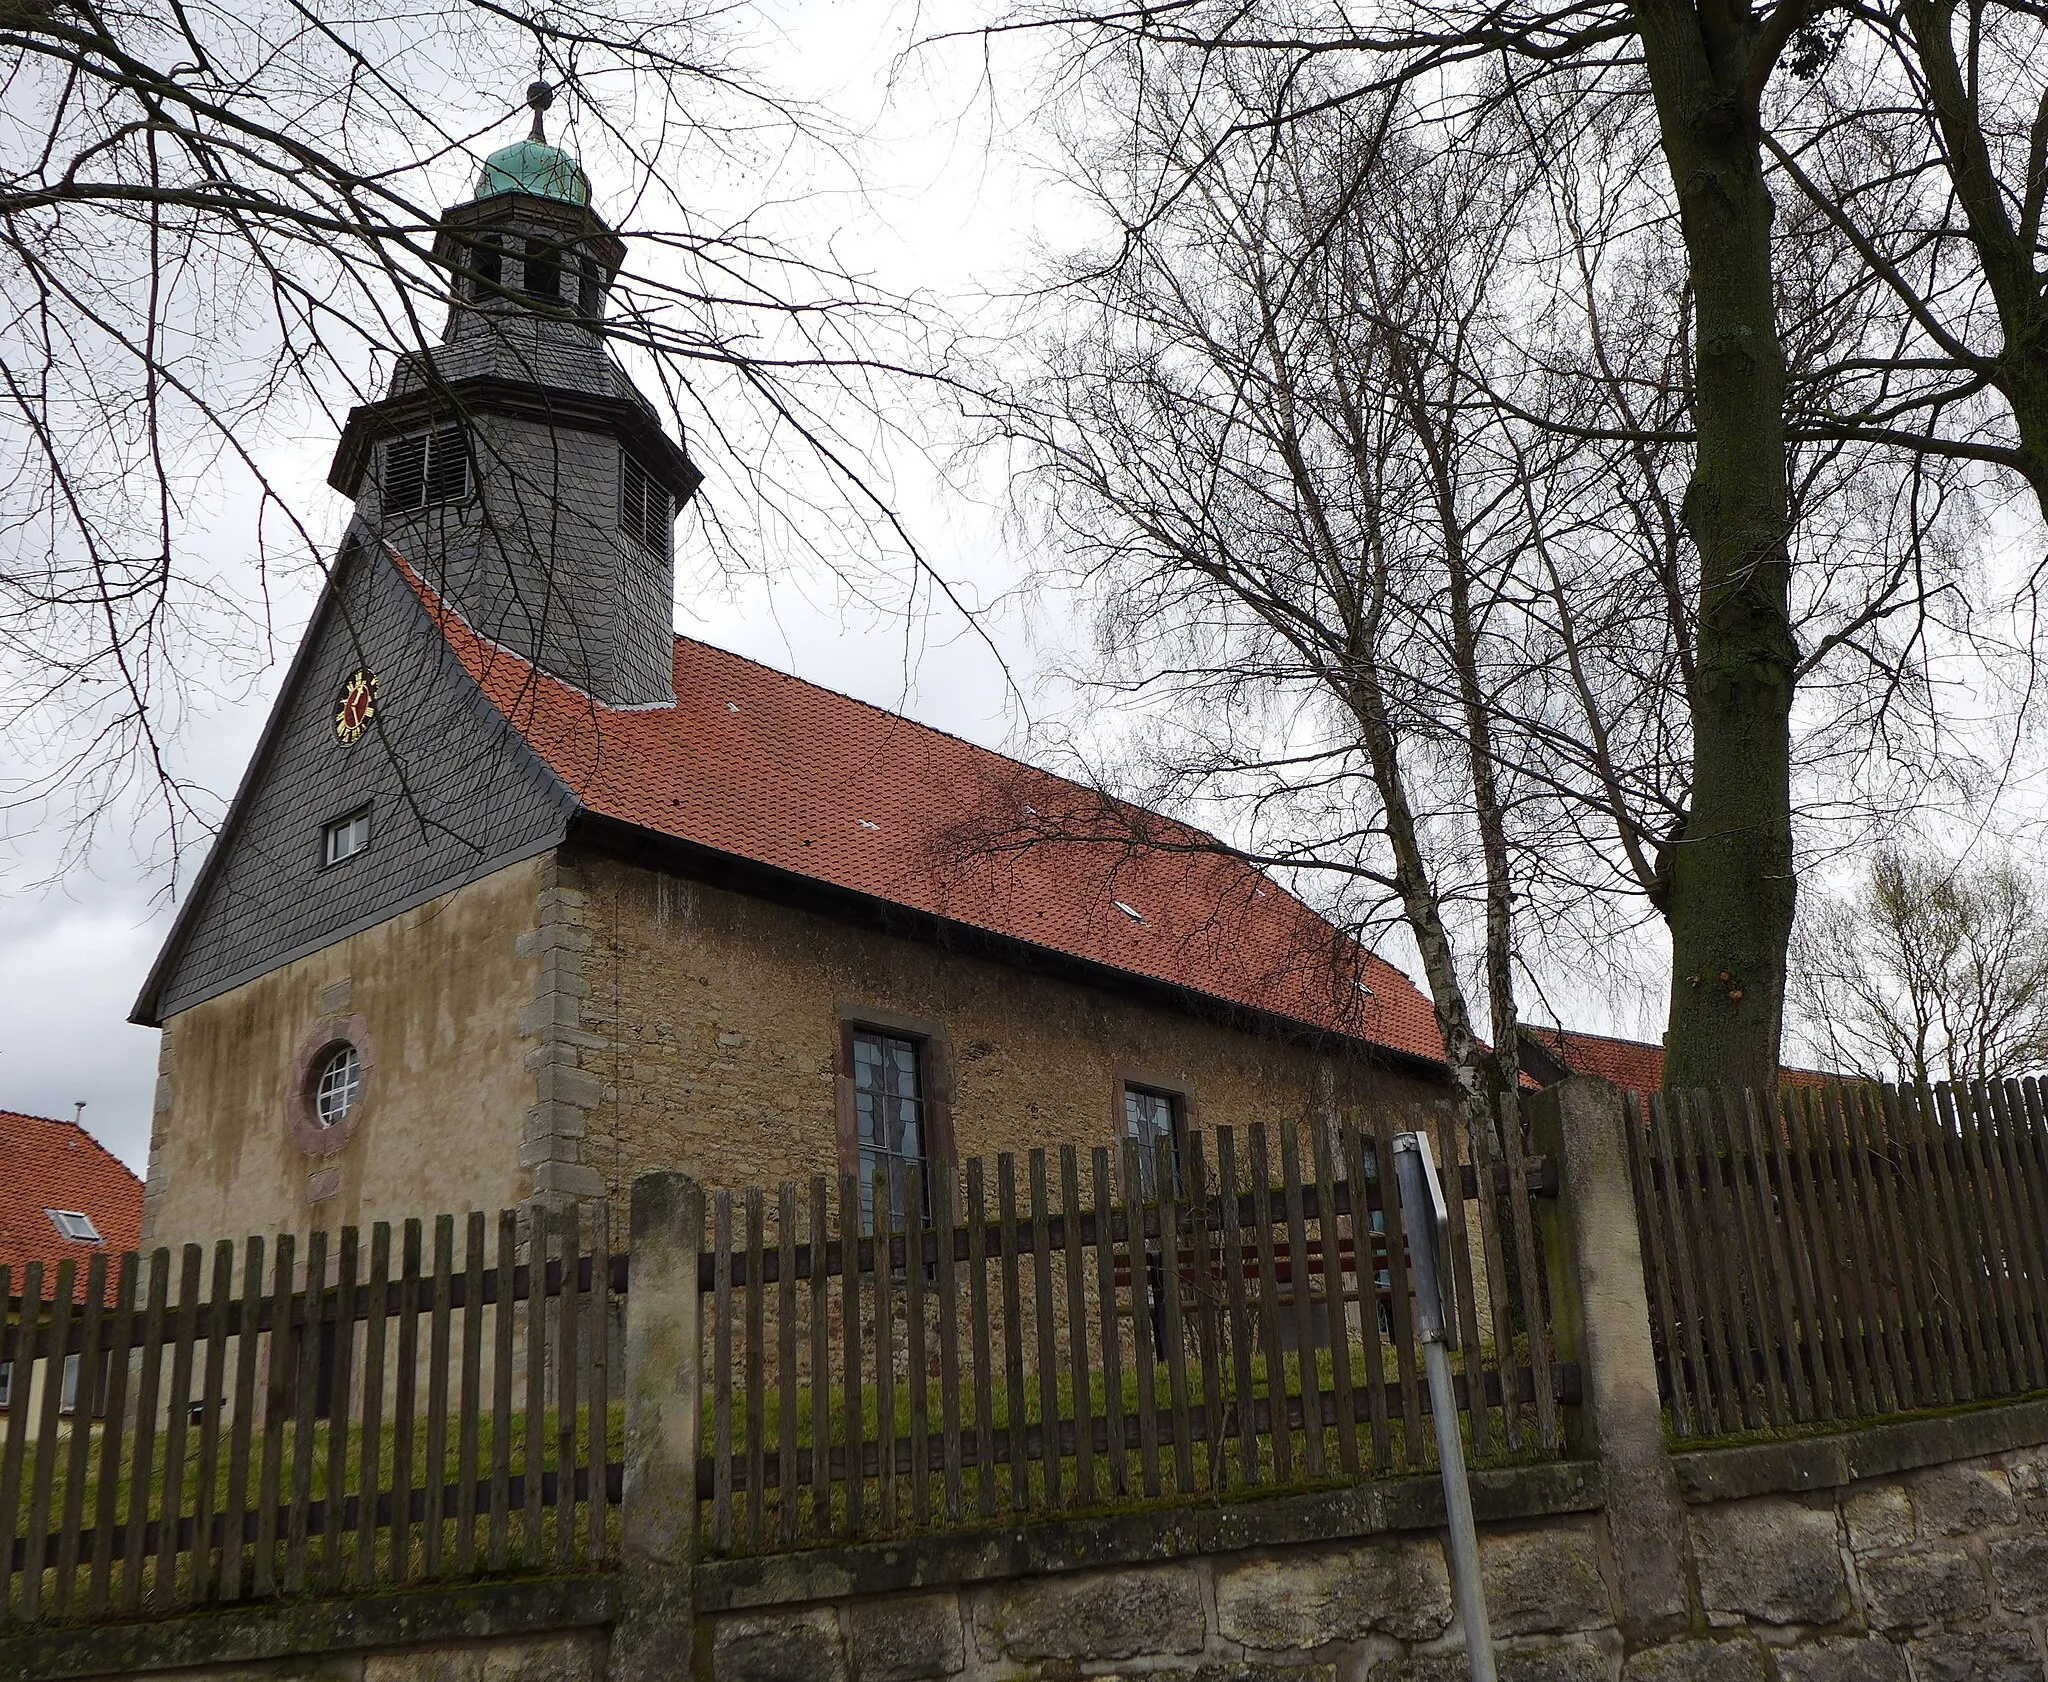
<point>1858,1250</point>
<point>437,1404</point>
<point>323,1421</point>
<point>1209,1322</point>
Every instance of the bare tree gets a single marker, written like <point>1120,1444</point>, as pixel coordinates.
<point>217,227</point>
<point>1927,970</point>
<point>1373,445</point>
<point>1258,443</point>
<point>1712,85</point>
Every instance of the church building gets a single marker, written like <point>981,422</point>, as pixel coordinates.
<point>522,894</point>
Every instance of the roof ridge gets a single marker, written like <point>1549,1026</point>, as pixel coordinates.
<point>52,1120</point>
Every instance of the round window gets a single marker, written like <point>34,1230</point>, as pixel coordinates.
<point>338,1085</point>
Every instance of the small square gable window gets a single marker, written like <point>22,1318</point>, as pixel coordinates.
<point>345,837</point>
<point>75,1225</point>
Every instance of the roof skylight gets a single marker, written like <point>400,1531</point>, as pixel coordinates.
<point>75,1224</point>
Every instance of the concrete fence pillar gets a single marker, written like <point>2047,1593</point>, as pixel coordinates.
<point>654,1635</point>
<point>1600,1318</point>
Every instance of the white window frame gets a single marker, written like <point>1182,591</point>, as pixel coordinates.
<point>352,827</point>
<point>353,1096</point>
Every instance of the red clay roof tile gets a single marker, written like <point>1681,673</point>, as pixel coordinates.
<point>754,763</point>
<point>47,1165</point>
<point>1634,1065</point>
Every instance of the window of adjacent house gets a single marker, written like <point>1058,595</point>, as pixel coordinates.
<point>337,1085</point>
<point>427,467</point>
<point>6,1383</point>
<point>643,507</point>
<point>543,271</point>
<point>76,1225</point>
<point>68,1401</point>
<point>1149,1116</point>
<point>345,837</point>
<point>888,1100</point>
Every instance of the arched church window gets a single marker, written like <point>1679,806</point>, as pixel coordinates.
<point>590,291</point>
<point>338,1085</point>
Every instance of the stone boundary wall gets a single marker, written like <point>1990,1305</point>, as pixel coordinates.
<point>570,1656</point>
<point>1859,1557</point>
<point>1938,1574</point>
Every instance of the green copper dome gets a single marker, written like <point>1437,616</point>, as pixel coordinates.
<point>533,166</point>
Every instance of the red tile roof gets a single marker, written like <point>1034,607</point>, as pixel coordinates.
<point>47,1165</point>
<point>1633,1065</point>
<point>759,765</point>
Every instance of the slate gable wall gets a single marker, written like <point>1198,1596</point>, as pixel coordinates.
<point>453,794</point>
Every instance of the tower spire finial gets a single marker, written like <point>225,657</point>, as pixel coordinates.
<point>540,95</point>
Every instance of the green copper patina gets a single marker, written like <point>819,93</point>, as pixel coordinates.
<point>532,165</point>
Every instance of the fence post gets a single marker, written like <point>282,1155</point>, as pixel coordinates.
<point>654,1635</point>
<point>1600,1318</point>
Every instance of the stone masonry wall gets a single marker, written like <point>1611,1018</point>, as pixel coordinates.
<point>1377,1609</point>
<point>1936,1575</point>
<point>558,1656</point>
<point>713,1021</point>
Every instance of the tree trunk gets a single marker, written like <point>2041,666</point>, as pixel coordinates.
<point>1367,703</point>
<point>1731,882</point>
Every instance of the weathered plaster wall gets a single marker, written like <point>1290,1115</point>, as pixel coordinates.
<point>719,1020</point>
<point>440,990</point>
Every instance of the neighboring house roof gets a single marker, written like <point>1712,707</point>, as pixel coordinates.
<point>45,1165</point>
<point>759,766</point>
<point>1633,1065</point>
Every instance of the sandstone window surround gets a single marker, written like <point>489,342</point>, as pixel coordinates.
<point>933,1053</point>
<point>324,1057</point>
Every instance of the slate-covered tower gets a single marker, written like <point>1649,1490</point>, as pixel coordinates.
<point>515,465</point>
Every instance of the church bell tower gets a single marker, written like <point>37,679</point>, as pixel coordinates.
<point>515,465</point>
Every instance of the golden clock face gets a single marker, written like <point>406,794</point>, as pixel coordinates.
<point>358,706</point>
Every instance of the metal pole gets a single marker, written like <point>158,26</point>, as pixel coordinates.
<point>1423,1213</point>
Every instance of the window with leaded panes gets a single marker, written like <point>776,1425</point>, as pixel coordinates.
<point>889,1111</point>
<point>1149,1116</point>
